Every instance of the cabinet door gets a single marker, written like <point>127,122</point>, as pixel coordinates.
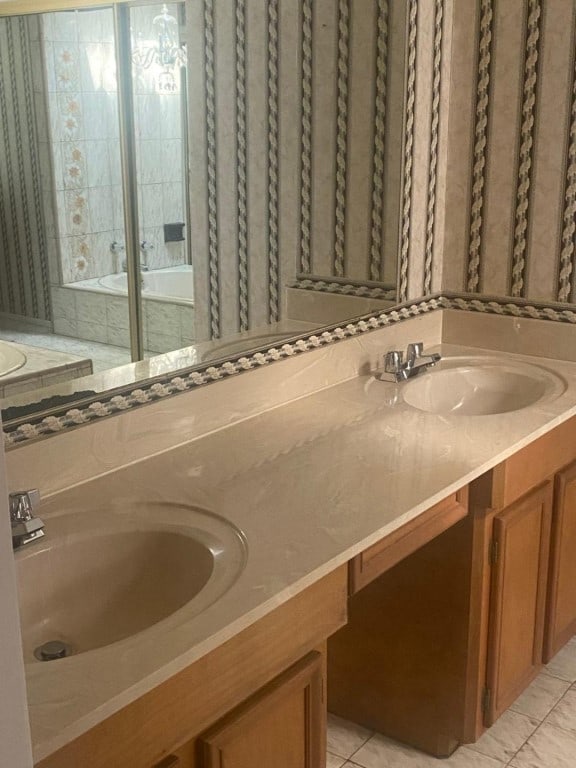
<point>282,726</point>
<point>561,618</point>
<point>518,598</point>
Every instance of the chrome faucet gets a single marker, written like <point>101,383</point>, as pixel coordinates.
<point>397,368</point>
<point>145,246</point>
<point>26,528</point>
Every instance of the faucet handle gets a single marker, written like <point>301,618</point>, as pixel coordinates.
<point>415,350</point>
<point>23,504</point>
<point>393,361</point>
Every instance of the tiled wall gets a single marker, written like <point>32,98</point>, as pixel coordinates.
<point>511,130</point>
<point>103,318</point>
<point>23,242</point>
<point>79,59</point>
<point>80,79</point>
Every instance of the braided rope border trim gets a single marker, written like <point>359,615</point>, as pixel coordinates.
<point>375,268</point>
<point>306,140</point>
<point>338,265</point>
<point>168,386</point>
<point>525,162</point>
<point>408,150</point>
<point>480,135</point>
<point>214,277</point>
<point>187,380</point>
<point>435,120</point>
<point>347,288</point>
<point>273,277</point>
<point>241,167</point>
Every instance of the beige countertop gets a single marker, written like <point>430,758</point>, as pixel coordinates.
<point>311,484</point>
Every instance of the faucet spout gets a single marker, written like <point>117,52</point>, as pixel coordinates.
<point>398,368</point>
<point>26,528</point>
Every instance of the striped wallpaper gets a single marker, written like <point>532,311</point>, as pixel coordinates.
<point>511,181</point>
<point>297,129</point>
<point>24,285</point>
<point>315,154</point>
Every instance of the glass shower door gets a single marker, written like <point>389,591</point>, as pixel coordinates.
<point>85,226</point>
<point>159,96</point>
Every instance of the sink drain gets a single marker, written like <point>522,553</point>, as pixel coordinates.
<point>53,649</point>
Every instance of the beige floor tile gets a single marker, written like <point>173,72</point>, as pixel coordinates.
<point>344,737</point>
<point>380,752</point>
<point>506,736</point>
<point>563,665</point>
<point>541,696</point>
<point>549,747</point>
<point>564,713</point>
<point>333,761</point>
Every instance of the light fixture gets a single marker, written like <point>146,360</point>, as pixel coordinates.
<point>165,52</point>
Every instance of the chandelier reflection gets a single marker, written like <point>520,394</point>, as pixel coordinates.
<point>165,53</point>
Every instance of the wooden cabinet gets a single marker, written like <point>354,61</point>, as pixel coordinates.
<point>561,615</point>
<point>172,761</point>
<point>440,643</point>
<point>283,726</point>
<point>519,555</point>
<point>397,665</point>
<point>256,700</point>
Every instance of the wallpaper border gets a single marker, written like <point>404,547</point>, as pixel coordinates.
<point>482,105</point>
<point>433,152</point>
<point>408,151</point>
<point>344,287</point>
<point>213,249</point>
<point>526,150</point>
<point>273,162</point>
<point>187,380</point>
<point>378,148</point>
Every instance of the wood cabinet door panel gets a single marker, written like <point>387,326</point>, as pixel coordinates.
<point>282,726</point>
<point>517,603</point>
<point>561,617</point>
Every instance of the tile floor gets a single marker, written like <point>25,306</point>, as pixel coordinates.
<point>103,356</point>
<point>538,731</point>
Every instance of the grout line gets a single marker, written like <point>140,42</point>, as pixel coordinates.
<point>373,733</point>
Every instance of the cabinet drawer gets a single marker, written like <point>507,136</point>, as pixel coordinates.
<point>382,556</point>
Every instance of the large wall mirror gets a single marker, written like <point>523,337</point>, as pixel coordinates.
<point>182,183</point>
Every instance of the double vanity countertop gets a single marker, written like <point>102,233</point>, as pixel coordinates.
<point>311,484</point>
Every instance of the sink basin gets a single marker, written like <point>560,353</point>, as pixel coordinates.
<point>481,386</point>
<point>103,576</point>
<point>10,358</point>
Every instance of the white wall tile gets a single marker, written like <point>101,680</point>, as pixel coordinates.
<point>91,332</point>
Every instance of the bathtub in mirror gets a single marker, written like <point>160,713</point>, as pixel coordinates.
<point>287,221</point>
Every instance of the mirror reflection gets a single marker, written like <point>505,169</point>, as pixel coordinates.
<point>267,172</point>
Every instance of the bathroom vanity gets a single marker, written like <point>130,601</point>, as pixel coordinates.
<point>476,611</point>
<point>429,550</point>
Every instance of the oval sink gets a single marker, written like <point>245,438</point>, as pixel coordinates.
<point>101,577</point>
<point>480,387</point>
<point>10,358</point>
